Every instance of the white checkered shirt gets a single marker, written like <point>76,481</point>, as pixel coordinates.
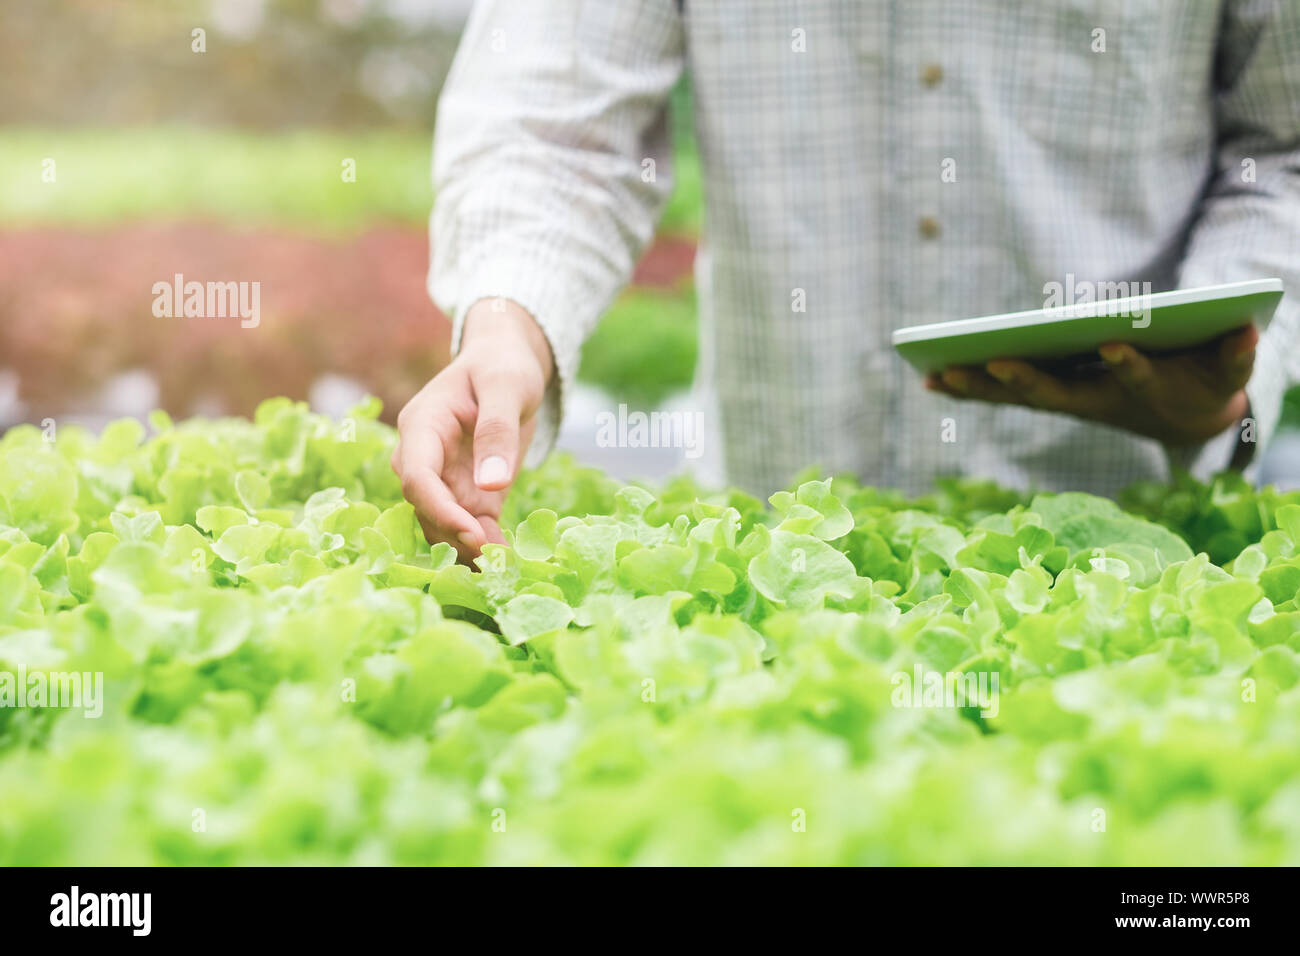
<point>1165,149</point>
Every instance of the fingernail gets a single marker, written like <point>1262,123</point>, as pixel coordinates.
<point>468,539</point>
<point>1003,374</point>
<point>493,470</point>
<point>957,380</point>
<point>1113,354</point>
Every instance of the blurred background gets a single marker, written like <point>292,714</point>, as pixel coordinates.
<point>140,139</point>
<point>133,148</point>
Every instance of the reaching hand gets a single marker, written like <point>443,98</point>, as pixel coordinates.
<point>461,438</point>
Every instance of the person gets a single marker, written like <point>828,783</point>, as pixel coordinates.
<point>867,165</point>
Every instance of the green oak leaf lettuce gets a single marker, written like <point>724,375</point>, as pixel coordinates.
<point>671,675</point>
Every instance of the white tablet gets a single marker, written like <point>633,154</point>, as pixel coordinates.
<point>1159,322</point>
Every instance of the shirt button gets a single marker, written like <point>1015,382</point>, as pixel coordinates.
<point>928,226</point>
<point>932,75</point>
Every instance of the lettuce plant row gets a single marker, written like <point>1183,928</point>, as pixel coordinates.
<point>228,643</point>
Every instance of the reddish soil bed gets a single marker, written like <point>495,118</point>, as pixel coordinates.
<point>76,308</point>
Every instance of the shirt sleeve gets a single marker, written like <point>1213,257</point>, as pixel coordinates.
<point>551,165</point>
<point>1249,224</point>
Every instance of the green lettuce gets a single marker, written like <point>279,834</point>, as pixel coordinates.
<point>680,675</point>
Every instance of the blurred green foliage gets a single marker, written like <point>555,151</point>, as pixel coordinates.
<point>106,176</point>
<point>293,178</point>
<point>1291,409</point>
<point>644,348</point>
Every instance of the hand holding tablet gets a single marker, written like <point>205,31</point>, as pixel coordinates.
<point>1173,364</point>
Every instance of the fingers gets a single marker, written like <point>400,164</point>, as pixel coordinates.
<point>969,382</point>
<point>1012,382</point>
<point>1133,370</point>
<point>433,533</point>
<point>492,529</point>
<point>1223,367</point>
<point>1034,387</point>
<point>420,462</point>
<point>1236,358</point>
<point>496,431</point>
<point>972,382</point>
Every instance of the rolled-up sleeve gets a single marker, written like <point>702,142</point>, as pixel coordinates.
<point>1249,226</point>
<point>551,165</point>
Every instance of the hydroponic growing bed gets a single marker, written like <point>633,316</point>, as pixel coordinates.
<point>290,674</point>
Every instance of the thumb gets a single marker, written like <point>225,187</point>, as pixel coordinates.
<point>496,433</point>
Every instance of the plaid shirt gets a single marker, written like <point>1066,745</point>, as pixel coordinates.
<point>878,163</point>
